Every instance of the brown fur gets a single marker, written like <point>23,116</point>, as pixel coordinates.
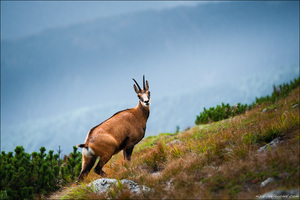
<point>120,132</point>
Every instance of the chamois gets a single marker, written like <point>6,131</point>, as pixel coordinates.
<point>122,131</point>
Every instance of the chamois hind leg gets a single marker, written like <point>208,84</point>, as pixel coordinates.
<point>127,153</point>
<point>87,164</point>
<point>103,160</point>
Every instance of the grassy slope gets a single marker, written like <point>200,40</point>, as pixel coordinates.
<point>218,160</point>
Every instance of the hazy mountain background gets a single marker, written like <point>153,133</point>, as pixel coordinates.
<point>58,83</point>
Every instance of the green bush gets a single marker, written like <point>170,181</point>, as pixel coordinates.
<point>279,92</point>
<point>22,174</point>
<point>218,113</point>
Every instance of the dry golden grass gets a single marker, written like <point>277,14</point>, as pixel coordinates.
<point>218,160</point>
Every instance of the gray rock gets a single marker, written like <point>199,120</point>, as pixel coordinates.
<point>264,110</point>
<point>280,194</point>
<point>169,183</point>
<point>134,187</point>
<point>266,182</point>
<point>102,185</point>
<point>271,145</point>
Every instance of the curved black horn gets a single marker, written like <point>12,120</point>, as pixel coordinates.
<point>136,84</point>
<point>144,87</point>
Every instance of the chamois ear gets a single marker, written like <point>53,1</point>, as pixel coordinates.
<point>135,88</point>
<point>147,85</point>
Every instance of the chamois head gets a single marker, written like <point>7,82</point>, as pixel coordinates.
<point>143,94</point>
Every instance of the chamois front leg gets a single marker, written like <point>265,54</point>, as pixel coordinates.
<point>127,153</point>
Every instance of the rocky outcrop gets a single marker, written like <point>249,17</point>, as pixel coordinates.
<point>270,145</point>
<point>101,186</point>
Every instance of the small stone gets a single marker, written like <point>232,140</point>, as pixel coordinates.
<point>264,110</point>
<point>274,142</point>
<point>266,182</point>
<point>169,183</point>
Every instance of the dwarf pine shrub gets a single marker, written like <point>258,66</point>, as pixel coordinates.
<point>226,111</point>
<point>218,113</point>
<point>22,175</point>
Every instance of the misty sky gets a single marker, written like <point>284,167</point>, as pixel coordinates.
<point>24,18</point>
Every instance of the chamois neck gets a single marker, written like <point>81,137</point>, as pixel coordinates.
<point>144,110</point>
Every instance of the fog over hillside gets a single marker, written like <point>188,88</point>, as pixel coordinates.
<point>58,84</point>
